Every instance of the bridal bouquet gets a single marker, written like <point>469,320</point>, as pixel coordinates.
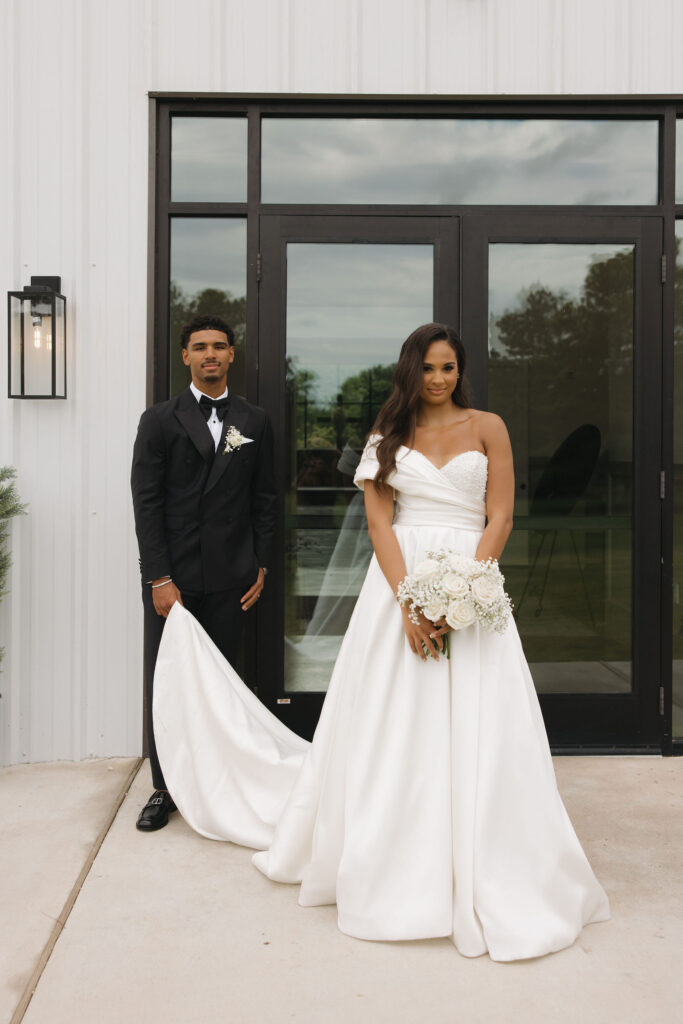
<point>460,590</point>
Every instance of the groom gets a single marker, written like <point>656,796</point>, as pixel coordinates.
<point>204,501</point>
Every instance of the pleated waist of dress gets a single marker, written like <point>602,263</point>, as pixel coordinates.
<point>451,517</point>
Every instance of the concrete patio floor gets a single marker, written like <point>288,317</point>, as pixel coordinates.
<point>174,928</point>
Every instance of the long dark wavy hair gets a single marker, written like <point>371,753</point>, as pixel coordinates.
<point>397,418</point>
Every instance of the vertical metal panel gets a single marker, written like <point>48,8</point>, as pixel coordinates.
<point>71,683</point>
<point>73,201</point>
<point>321,44</point>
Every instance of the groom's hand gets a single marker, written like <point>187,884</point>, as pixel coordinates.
<point>254,592</point>
<point>165,597</point>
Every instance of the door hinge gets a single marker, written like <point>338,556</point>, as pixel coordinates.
<point>663,267</point>
<point>259,266</point>
<point>661,700</point>
<point>662,484</point>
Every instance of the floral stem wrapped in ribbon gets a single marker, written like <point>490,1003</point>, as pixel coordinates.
<point>450,587</point>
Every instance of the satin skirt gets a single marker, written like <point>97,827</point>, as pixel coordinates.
<point>426,805</point>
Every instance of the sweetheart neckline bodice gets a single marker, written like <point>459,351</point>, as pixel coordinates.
<point>423,490</point>
<point>440,469</point>
<point>461,481</point>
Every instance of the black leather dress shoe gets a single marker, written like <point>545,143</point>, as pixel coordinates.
<point>154,815</point>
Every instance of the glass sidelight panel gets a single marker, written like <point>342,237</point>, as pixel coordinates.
<point>208,275</point>
<point>561,330</point>
<point>679,165</point>
<point>677,730</point>
<point>349,308</point>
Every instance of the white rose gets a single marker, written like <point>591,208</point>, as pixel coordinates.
<point>434,609</point>
<point>455,585</point>
<point>426,570</point>
<point>485,590</point>
<point>461,613</point>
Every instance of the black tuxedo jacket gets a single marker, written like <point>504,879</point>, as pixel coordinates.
<point>202,517</point>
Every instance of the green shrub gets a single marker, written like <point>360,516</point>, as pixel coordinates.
<point>10,506</point>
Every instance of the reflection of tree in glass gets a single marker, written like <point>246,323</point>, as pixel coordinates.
<point>563,362</point>
<point>182,307</point>
<point>326,548</point>
<point>303,382</point>
<point>362,396</point>
<point>346,419</point>
<point>678,486</point>
<point>575,351</point>
<point>678,299</point>
<point>308,415</point>
<point>210,300</point>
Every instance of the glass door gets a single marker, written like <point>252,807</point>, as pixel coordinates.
<point>338,296</point>
<point>564,315</point>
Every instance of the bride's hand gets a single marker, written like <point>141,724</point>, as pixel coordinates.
<point>440,628</point>
<point>421,634</point>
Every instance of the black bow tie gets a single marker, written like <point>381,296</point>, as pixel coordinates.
<point>206,404</point>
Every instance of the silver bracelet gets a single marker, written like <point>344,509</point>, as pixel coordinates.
<point>155,585</point>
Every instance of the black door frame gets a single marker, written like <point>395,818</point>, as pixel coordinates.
<point>600,721</point>
<point>575,722</point>
<point>300,710</point>
<point>162,209</point>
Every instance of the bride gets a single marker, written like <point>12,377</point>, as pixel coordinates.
<point>426,804</point>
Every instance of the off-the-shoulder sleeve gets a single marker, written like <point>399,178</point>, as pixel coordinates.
<point>368,465</point>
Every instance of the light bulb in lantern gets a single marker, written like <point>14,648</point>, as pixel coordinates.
<point>36,337</point>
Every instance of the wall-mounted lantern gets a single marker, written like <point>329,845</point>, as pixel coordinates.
<point>36,332</point>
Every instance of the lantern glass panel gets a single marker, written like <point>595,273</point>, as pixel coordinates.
<point>38,341</point>
<point>15,323</point>
<point>59,342</point>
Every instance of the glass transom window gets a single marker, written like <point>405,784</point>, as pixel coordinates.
<point>459,161</point>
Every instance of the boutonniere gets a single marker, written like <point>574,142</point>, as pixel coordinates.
<point>234,440</point>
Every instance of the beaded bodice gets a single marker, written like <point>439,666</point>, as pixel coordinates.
<point>468,473</point>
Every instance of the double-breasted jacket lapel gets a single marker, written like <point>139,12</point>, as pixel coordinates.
<point>233,418</point>
<point>192,421</point>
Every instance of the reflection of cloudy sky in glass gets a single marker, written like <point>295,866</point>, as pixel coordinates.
<point>209,159</point>
<point>679,160</point>
<point>352,306</point>
<point>515,268</point>
<point>209,252</point>
<point>325,160</point>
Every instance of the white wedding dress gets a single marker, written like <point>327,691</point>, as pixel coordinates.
<point>426,804</point>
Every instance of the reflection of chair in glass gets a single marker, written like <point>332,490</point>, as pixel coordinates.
<point>563,482</point>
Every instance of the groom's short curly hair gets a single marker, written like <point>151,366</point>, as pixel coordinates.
<point>206,322</point>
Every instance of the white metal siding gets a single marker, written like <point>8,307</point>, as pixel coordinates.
<point>73,201</point>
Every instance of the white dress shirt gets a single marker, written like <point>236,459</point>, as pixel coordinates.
<point>214,424</point>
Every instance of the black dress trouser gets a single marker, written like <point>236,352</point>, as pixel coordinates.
<point>220,614</point>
